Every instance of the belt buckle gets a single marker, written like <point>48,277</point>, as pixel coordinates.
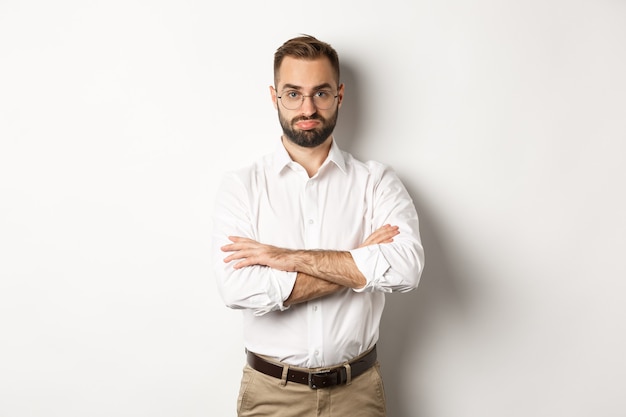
<point>322,374</point>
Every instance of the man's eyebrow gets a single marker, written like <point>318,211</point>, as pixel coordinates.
<point>291,87</point>
<point>316,88</point>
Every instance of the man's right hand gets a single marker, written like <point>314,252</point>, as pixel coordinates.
<point>383,234</point>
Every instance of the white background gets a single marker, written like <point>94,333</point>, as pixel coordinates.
<point>506,120</point>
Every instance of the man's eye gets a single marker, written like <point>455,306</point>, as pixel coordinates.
<point>322,94</point>
<point>293,94</point>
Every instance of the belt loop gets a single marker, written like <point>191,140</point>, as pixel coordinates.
<point>283,378</point>
<point>348,373</point>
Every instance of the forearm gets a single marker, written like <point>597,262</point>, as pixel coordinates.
<point>336,267</point>
<point>308,288</point>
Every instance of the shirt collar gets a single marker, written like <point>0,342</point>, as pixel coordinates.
<point>282,158</point>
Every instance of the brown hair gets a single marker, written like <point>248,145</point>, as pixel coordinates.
<point>305,47</point>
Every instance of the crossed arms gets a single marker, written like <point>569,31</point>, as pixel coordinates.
<point>253,275</point>
<point>319,272</point>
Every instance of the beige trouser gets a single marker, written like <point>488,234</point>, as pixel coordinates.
<point>265,396</point>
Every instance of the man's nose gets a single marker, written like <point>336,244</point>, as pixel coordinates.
<point>308,106</point>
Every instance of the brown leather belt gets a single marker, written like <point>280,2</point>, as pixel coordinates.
<point>337,375</point>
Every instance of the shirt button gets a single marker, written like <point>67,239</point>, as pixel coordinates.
<point>316,353</point>
<point>311,221</point>
<point>314,308</point>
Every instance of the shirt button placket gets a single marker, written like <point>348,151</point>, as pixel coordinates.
<point>310,212</point>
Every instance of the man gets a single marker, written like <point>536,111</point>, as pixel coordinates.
<point>307,241</point>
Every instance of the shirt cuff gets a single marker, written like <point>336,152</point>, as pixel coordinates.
<point>373,266</point>
<point>281,284</point>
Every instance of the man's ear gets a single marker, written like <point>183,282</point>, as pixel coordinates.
<point>274,99</point>
<point>340,92</point>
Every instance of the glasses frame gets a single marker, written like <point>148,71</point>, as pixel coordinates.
<point>311,96</point>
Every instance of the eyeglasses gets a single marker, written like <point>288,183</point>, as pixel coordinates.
<point>322,99</point>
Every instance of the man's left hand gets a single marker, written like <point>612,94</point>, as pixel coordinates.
<point>250,252</point>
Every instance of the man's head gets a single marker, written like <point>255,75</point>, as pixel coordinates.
<point>306,91</point>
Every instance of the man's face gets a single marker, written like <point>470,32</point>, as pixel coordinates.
<point>307,126</point>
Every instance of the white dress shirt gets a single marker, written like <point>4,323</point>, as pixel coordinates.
<point>274,202</point>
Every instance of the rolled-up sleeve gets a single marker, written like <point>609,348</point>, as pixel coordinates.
<point>395,266</point>
<point>258,288</point>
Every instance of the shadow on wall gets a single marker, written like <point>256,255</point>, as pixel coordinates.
<point>408,320</point>
<point>349,123</point>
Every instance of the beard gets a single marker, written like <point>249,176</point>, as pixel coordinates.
<point>308,138</point>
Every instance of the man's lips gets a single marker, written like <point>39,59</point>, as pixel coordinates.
<point>307,124</point>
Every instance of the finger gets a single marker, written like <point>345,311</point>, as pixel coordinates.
<point>232,247</point>
<point>386,228</point>
<point>243,264</point>
<point>227,248</point>
<point>389,233</point>
<point>230,258</point>
<point>237,255</point>
<point>240,239</point>
<point>389,230</point>
<point>239,244</point>
<point>384,233</point>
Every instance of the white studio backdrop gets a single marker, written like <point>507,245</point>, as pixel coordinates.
<point>506,120</point>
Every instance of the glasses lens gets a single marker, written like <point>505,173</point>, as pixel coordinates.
<point>291,100</point>
<point>323,100</point>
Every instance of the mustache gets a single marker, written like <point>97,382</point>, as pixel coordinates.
<point>311,117</point>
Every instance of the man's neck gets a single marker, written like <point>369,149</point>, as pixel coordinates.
<point>310,158</point>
